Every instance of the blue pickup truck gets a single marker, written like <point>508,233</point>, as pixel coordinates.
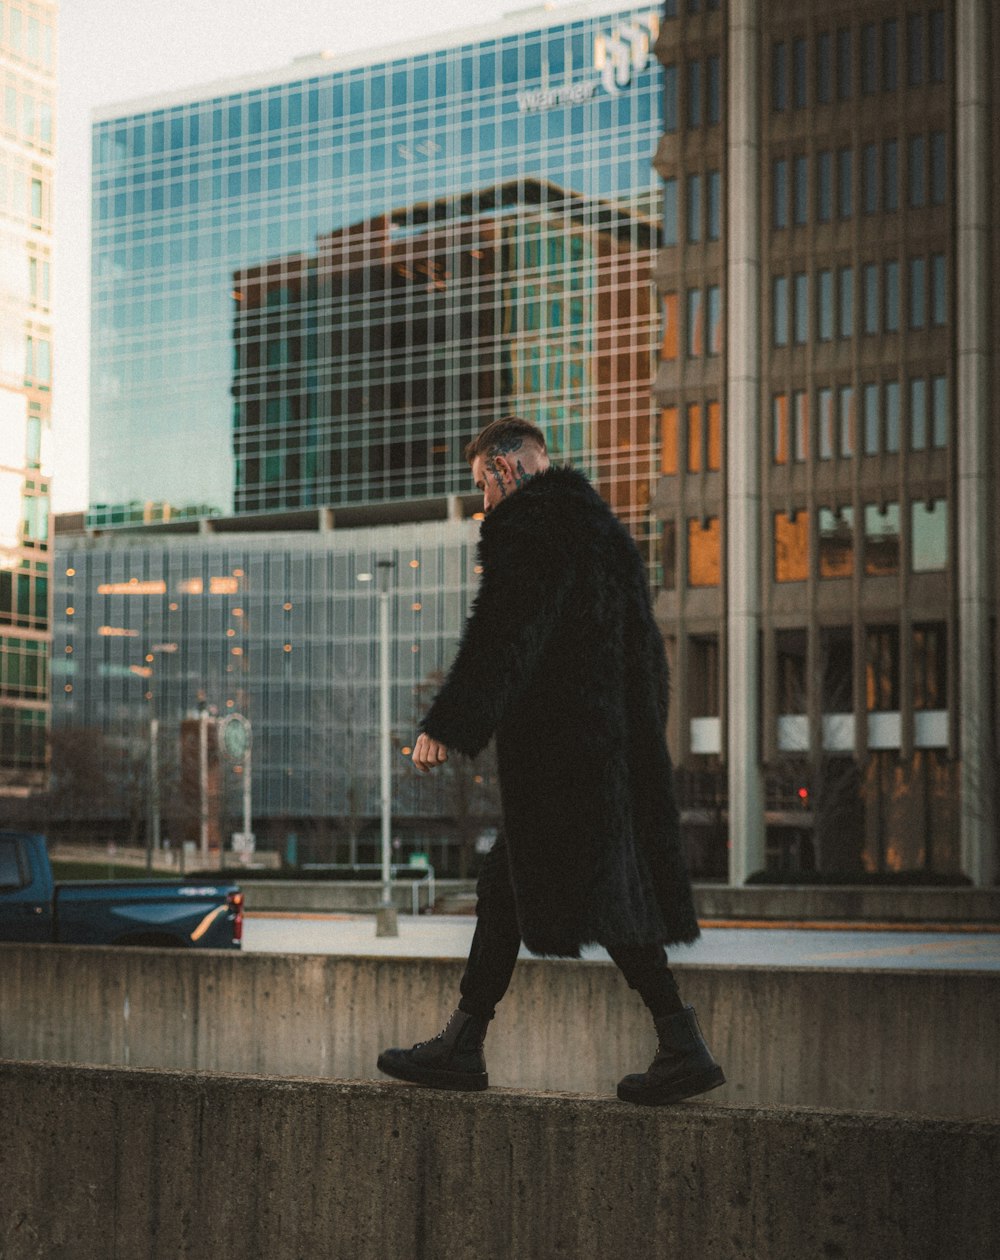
<point>163,912</point>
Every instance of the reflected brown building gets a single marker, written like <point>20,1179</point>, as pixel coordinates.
<point>830,567</point>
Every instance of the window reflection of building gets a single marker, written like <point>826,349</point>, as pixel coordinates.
<point>882,543</point>
<point>704,552</point>
<point>836,543</point>
<point>791,547</point>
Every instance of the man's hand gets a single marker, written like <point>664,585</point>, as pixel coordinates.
<point>428,754</point>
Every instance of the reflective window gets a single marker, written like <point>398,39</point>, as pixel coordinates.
<point>936,32</point>
<point>917,177</point>
<point>836,543</point>
<point>930,536</point>
<point>915,49</point>
<point>930,665</point>
<point>939,404</point>
<point>670,98</point>
<point>668,555</point>
<point>845,84</point>
<point>918,413</point>
<point>824,68</point>
<point>714,434</point>
<point>882,669</point>
<point>881,539</point>
<point>704,552</point>
<point>890,54</point>
<point>891,410</point>
<point>845,184</point>
<point>824,186</point>
<point>800,418</point>
<point>668,441</point>
<point>938,169</point>
<point>825,423</point>
<point>694,208</point>
<point>779,77</point>
<point>694,438</point>
<point>714,181</point>
<point>714,103</point>
<point>845,288</point>
<point>790,661</point>
<point>890,175</point>
<point>891,280</point>
<point>779,310</point>
<point>694,93</point>
<point>801,314</point>
<point>869,285</point>
<point>918,292</point>
<point>939,293</point>
<point>669,347</point>
<point>695,324</point>
<point>800,190</point>
<point>670,226</point>
<point>845,420</point>
<point>791,547</point>
<point>824,305</point>
<point>869,59</point>
<point>779,428</point>
<point>869,394</point>
<point>869,179</point>
<point>779,193</point>
<point>714,299</point>
<point>799,73</point>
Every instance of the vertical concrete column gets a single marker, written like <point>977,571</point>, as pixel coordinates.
<point>743,543</point>
<point>973,420</point>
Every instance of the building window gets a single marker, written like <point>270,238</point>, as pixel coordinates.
<point>836,543</point>
<point>694,208</point>
<point>845,414</point>
<point>779,193</point>
<point>801,311</point>
<point>668,555</point>
<point>694,438</point>
<point>779,310</point>
<point>916,172</point>
<point>800,190</point>
<point>670,346</point>
<point>845,184</point>
<point>939,407</point>
<point>714,205</point>
<point>890,176</point>
<point>938,169</point>
<point>872,418</point>
<point>779,428</point>
<point>881,539</point>
<point>915,49</point>
<point>791,546</point>
<point>779,78</point>
<point>670,226</point>
<point>844,73</point>
<point>824,422</point>
<point>714,300</point>
<point>869,179</point>
<point>704,688</point>
<point>845,287</point>
<point>882,669</point>
<point>930,665</point>
<point>930,536</point>
<point>891,410</point>
<point>668,441</point>
<point>714,107</point>
<point>939,294</point>
<point>670,98</point>
<point>869,286</point>
<point>891,295</point>
<point>890,54</point>
<point>714,435</point>
<point>869,60</point>
<point>704,552</point>
<point>936,25</point>
<point>918,413</point>
<point>918,292</point>
<point>695,324</point>
<point>799,73</point>
<point>824,305</point>
<point>694,93</point>
<point>824,68</point>
<point>800,418</point>
<point>824,186</point>
<point>790,660</point>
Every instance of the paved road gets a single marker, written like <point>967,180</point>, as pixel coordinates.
<point>448,936</point>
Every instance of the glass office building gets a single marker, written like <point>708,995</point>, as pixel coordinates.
<point>27,67</point>
<point>312,287</point>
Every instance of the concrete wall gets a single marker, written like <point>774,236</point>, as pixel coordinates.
<point>883,1040</point>
<point>102,1163</point>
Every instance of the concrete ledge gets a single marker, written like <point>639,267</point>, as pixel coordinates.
<point>849,903</point>
<point>97,1163</point>
<point>344,897</point>
<point>883,1040</point>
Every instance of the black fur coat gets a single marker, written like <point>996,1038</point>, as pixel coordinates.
<point>561,660</point>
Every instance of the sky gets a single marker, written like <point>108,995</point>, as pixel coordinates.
<point>112,51</point>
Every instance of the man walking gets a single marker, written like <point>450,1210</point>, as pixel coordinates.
<point>562,661</point>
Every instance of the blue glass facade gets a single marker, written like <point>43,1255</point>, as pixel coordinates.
<point>313,290</point>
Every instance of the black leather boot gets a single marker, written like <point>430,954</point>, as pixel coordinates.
<point>452,1060</point>
<point>683,1065</point>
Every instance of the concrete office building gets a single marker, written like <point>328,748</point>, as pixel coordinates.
<point>830,565</point>
<point>27,138</point>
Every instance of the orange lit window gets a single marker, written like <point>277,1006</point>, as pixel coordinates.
<point>668,440</point>
<point>791,547</point>
<point>714,437</point>
<point>668,349</point>
<point>694,437</point>
<point>779,419</point>
<point>704,552</point>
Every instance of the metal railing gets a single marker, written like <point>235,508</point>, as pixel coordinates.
<point>426,882</point>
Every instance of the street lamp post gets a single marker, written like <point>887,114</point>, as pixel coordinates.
<point>386,923</point>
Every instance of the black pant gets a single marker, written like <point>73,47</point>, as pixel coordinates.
<point>497,941</point>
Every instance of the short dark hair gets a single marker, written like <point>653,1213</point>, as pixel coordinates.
<point>502,436</point>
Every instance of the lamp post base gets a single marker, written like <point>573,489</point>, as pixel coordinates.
<point>386,921</point>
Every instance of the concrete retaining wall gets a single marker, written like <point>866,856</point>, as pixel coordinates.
<point>884,1040</point>
<point>96,1164</point>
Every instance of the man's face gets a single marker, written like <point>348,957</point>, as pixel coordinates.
<point>495,478</point>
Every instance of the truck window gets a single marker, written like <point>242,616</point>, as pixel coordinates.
<point>11,874</point>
